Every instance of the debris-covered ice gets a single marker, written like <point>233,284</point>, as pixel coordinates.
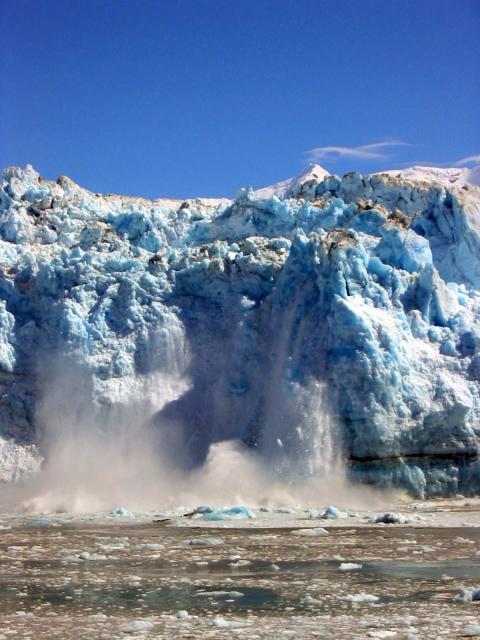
<point>392,518</point>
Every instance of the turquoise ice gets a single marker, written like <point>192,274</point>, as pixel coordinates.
<point>362,291</point>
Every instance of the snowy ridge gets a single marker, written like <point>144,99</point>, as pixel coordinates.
<point>313,172</point>
<point>448,177</point>
<point>354,297</point>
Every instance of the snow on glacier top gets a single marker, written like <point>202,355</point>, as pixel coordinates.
<point>450,177</point>
<point>445,176</point>
<point>312,172</point>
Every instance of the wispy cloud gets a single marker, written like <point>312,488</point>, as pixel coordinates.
<point>468,160</point>
<point>372,151</point>
<point>463,162</point>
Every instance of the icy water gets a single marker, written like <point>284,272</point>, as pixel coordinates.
<point>120,580</point>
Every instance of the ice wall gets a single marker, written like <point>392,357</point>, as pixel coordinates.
<point>338,318</point>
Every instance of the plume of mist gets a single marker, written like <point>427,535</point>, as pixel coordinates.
<point>98,457</point>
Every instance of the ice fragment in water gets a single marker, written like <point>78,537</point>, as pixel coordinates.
<point>366,598</point>
<point>349,566</point>
<point>182,614</point>
<point>330,513</point>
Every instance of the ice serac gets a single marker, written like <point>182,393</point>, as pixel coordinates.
<point>328,314</point>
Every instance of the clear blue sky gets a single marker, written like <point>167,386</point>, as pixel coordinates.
<point>199,97</point>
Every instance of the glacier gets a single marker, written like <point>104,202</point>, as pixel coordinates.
<point>353,300</point>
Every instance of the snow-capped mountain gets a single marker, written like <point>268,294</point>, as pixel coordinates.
<point>349,305</point>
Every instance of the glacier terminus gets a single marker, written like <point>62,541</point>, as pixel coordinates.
<point>352,301</point>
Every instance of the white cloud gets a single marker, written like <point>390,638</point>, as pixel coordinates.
<point>468,160</point>
<point>372,151</point>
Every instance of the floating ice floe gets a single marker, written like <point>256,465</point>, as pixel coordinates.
<point>361,598</point>
<point>212,514</point>
<point>98,617</point>
<point>41,523</point>
<point>238,564</point>
<point>137,625</point>
<point>221,623</point>
<point>205,541</point>
<point>150,546</point>
<point>182,614</point>
<point>310,532</point>
<point>469,595</point>
<point>349,566</point>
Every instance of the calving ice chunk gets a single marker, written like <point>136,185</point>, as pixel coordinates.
<point>324,318</point>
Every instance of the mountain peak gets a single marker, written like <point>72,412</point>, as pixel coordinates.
<point>312,172</point>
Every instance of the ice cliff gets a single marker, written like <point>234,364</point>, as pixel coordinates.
<point>357,296</point>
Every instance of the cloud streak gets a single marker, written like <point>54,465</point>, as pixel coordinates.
<point>468,160</point>
<point>372,151</point>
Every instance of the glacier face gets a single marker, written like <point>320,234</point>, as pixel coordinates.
<point>357,296</point>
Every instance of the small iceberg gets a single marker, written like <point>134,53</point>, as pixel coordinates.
<point>471,630</point>
<point>349,566</point>
<point>361,598</point>
<point>98,617</point>
<point>182,614</point>
<point>121,512</point>
<point>330,513</point>
<point>469,595</point>
<point>221,623</point>
<point>213,514</point>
